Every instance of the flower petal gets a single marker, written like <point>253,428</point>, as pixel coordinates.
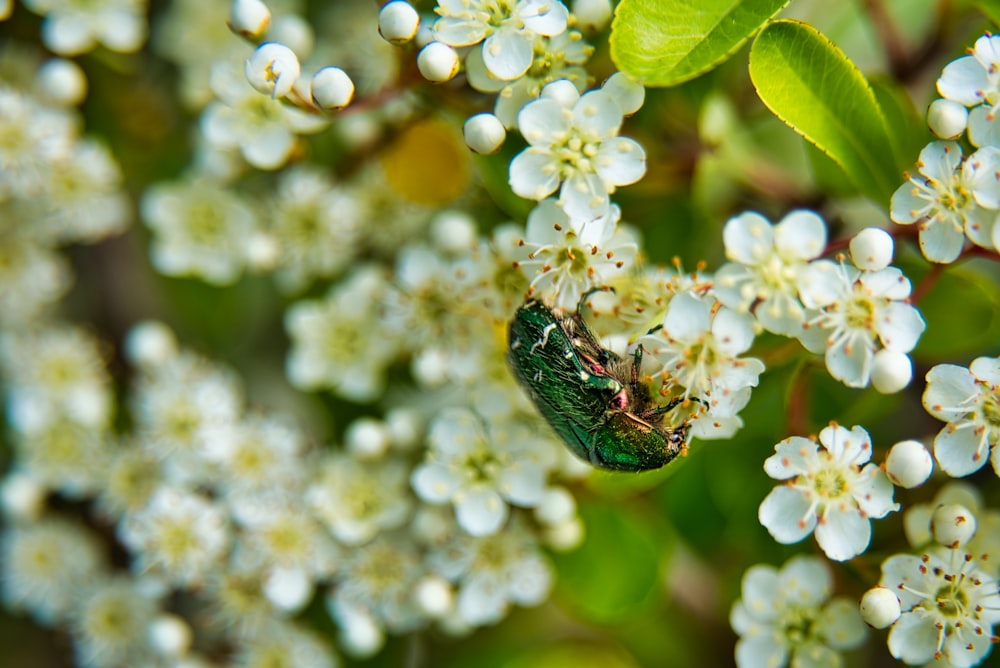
<point>787,514</point>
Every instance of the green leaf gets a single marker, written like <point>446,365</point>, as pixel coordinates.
<point>955,333</point>
<point>807,82</point>
<point>667,42</point>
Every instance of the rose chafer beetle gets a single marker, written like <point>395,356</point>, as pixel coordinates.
<point>591,396</point>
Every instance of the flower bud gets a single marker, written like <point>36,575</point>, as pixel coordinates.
<point>150,343</point>
<point>331,88</point>
<point>879,607</point>
<point>555,507</point>
<point>437,62</point>
<point>273,69</point>
<point>947,119</point>
<point>62,82</point>
<point>891,371</point>
<point>564,536</point>
<point>953,525</point>
<point>170,635</point>
<point>484,133</point>
<point>434,596</point>
<point>360,635</point>
<point>453,231</point>
<point>562,91</point>
<point>294,32</point>
<point>398,22</point>
<point>367,438</point>
<point>287,588</point>
<point>909,464</point>
<point>22,496</point>
<point>871,249</point>
<point>592,15</point>
<point>405,427</point>
<point>627,92</point>
<point>249,18</point>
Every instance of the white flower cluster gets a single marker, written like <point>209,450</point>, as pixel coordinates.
<point>858,316</point>
<point>956,197</point>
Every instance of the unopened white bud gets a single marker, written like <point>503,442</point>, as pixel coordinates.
<point>592,15</point>
<point>434,596</point>
<point>565,536</point>
<point>891,371</point>
<point>62,82</point>
<point>909,464</point>
<point>871,249</point>
<point>331,88</point>
<point>627,92</point>
<point>367,438</point>
<point>249,18</point>
<point>360,635</point>
<point>453,231</point>
<point>23,496</point>
<point>263,251</point>
<point>437,62</point>
<point>170,635</point>
<point>287,588</point>
<point>562,91</point>
<point>273,69</point>
<point>556,506</point>
<point>953,525</point>
<point>947,119</point>
<point>150,343</point>
<point>398,22</point>
<point>294,32</point>
<point>430,367</point>
<point>405,427</point>
<point>879,607</point>
<point>484,133</point>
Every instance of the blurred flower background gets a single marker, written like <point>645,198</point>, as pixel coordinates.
<point>257,266</point>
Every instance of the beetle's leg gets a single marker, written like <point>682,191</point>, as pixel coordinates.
<point>583,297</point>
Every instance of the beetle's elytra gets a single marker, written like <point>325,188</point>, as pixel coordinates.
<point>591,396</point>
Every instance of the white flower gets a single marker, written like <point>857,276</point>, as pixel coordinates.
<point>259,453</point>
<point>284,643</point>
<point>272,69</point>
<point>492,572</point>
<point>261,127</point>
<point>181,409</point>
<point>566,258</point>
<point>316,224</point>
<point>480,469</point>
<point>975,82</point>
<point>766,262</point>
<point>574,144</point>
<point>506,28</point>
<point>43,563</point>
<point>559,57</point>
<point>378,581</point>
<point>31,275</point>
<point>699,348</point>
<point>951,199</point>
<point>969,401</point>
<point>55,375</point>
<point>832,489</point>
<point>357,500</point>
<point>786,616</point>
<point>180,535</point>
<point>950,604</point>
<point>199,228</point>
<point>338,342</point>
<point>861,314</point>
<point>72,27</point>
<point>34,138</point>
<point>110,624</point>
<point>276,534</point>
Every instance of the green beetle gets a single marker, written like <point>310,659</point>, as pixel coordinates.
<point>591,396</point>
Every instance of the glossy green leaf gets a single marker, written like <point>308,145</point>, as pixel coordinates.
<point>807,82</point>
<point>667,42</point>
